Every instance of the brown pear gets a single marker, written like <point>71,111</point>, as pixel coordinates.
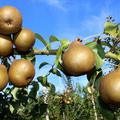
<point>109,88</point>
<point>78,59</point>
<point>24,40</point>
<point>21,72</point>
<point>3,77</point>
<point>10,20</point>
<point>6,45</point>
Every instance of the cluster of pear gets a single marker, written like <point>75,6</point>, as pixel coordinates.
<point>11,32</point>
<point>13,36</point>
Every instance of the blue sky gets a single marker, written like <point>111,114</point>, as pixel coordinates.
<point>64,19</point>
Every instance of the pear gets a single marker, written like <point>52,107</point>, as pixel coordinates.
<point>78,59</point>
<point>10,20</point>
<point>3,77</point>
<point>21,72</point>
<point>6,45</point>
<point>24,40</point>
<point>109,88</point>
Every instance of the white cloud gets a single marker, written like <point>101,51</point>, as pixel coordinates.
<point>94,24</point>
<point>54,3</point>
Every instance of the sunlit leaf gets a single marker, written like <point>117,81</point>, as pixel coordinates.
<point>43,80</point>
<point>56,72</point>
<point>111,29</point>
<point>52,38</point>
<point>99,53</point>
<point>47,44</point>
<point>64,43</point>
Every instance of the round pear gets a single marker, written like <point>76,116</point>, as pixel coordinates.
<point>109,88</point>
<point>6,45</point>
<point>24,40</point>
<point>10,20</point>
<point>21,72</point>
<point>78,59</point>
<point>3,77</point>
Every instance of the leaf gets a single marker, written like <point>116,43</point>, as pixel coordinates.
<point>34,89</point>
<point>43,108</point>
<point>64,43</point>
<point>58,55</point>
<point>92,45</point>
<point>94,77</point>
<point>60,67</point>
<point>111,29</point>
<point>51,88</point>
<point>97,80</point>
<point>47,44</point>
<point>104,43</point>
<point>104,109</point>
<point>43,80</point>
<point>56,72</point>
<point>43,64</point>
<point>52,38</point>
<point>14,92</point>
<point>99,61</point>
<point>99,53</point>
<point>91,76</point>
<point>30,57</point>
<point>11,108</point>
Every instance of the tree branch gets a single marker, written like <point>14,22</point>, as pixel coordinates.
<point>44,52</point>
<point>54,52</point>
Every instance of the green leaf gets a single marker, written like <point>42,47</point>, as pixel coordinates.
<point>99,61</point>
<point>30,57</point>
<point>47,44</point>
<point>52,88</point>
<point>43,108</point>
<point>111,29</point>
<point>99,53</point>
<point>104,43</point>
<point>97,80</point>
<point>60,67</point>
<point>34,89</point>
<point>64,43</point>
<point>11,108</point>
<point>56,72</point>
<point>43,80</point>
<point>43,64</point>
<point>104,109</point>
<point>91,76</point>
<point>52,38</point>
<point>92,45</point>
<point>58,55</point>
<point>94,77</point>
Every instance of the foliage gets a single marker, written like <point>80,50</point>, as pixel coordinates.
<point>77,103</point>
